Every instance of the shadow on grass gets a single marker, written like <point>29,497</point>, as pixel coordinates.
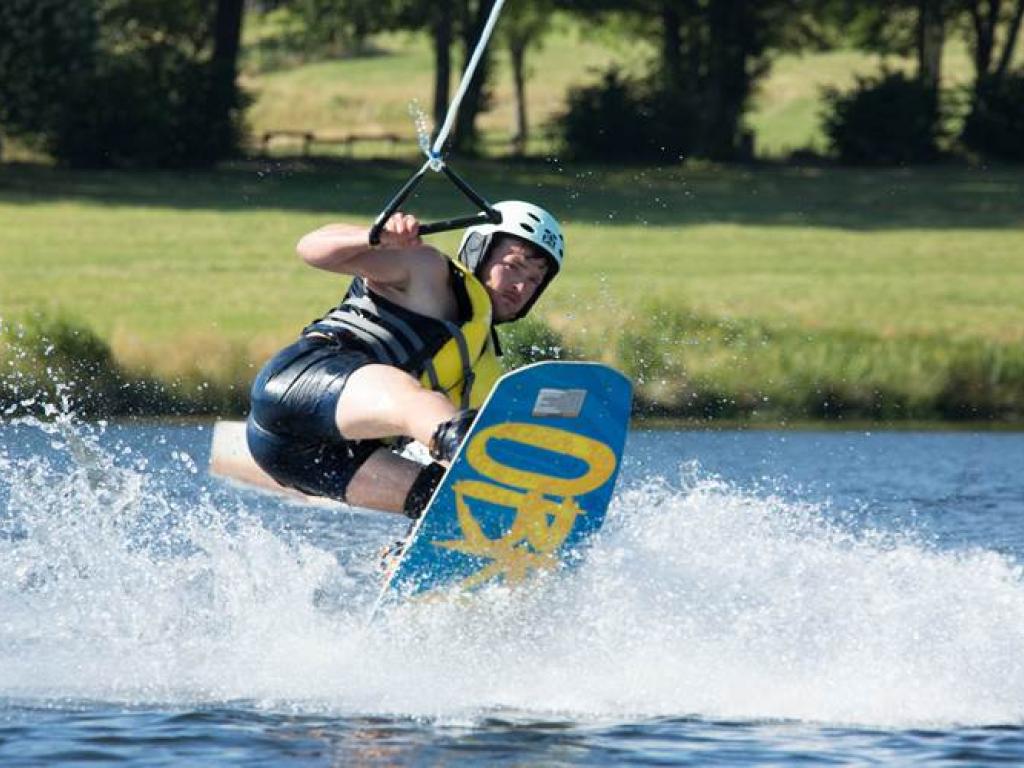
<point>941,197</point>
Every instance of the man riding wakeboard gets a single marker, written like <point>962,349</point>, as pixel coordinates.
<point>410,352</point>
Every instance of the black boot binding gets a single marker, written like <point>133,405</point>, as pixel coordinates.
<point>444,444</point>
<point>422,489</point>
<point>448,436</point>
<point>416,501</point>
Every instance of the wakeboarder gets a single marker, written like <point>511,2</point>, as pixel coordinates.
<point>410,353</point>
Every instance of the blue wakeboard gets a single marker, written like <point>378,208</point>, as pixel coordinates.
<point>531,482</point>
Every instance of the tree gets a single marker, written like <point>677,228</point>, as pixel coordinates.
<point>451,21</point>
<point>904,28</point>
<point>122,82</point>
<point>932,19</point>
<point>47,52</point>
<point>921,27</point>
<point>442,31</point>
<point>991,20</point>
<point>439,18</point>
<point>522,27</point>
<point>343,26</point>
<point>225,97</point>
<point>711,53</point>
<point>472,18</point>
<point>891,119</point>
<point>995,122</point>
<point>992,29</point>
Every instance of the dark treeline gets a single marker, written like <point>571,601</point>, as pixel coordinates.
<point>154,82</point>
<point>122,82</point>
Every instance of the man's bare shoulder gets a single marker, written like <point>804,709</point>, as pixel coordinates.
<point>426,287</point>
<point>417,265</point>
<point>393,268</point>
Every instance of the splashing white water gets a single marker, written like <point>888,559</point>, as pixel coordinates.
<point>697,598</point>
<point>422,126</point>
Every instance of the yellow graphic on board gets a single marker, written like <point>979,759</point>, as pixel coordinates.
<point>545,505</point>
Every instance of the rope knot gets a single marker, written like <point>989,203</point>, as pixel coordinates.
<point>435,160</point>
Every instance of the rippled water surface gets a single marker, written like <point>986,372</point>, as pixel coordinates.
<point>754,598</point>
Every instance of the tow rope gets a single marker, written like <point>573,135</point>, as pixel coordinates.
<point>435,159</point>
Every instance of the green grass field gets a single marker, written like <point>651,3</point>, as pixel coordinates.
<point>725,283</point>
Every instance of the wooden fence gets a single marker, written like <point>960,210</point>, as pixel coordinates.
<point>309,140</point>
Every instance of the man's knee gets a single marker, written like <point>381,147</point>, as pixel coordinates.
<point>379,401</point>
<point>383,386</point>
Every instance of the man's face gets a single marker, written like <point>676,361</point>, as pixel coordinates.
<point>513,272</point>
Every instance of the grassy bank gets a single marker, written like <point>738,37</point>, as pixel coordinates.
<point>760,293</point>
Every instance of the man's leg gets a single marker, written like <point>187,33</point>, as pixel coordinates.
<point>383,482</point>
<point>382,401</point>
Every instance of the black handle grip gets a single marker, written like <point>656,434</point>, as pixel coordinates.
<point>397,200</point>
<point>461,222</point>
<point>487,212</point>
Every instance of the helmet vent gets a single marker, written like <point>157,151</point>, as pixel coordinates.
<point>533,216</point>
<point>527,227</point>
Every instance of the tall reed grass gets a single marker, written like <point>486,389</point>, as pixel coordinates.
<point>683,364</point>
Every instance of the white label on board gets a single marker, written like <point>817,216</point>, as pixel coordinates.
<point>566,403</point>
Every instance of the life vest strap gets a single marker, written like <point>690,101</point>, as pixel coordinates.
<point>431,371</point>
<point>364,303</point>
<point>382,342</point>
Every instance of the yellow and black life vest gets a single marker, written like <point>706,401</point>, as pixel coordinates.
<point>459,359</point>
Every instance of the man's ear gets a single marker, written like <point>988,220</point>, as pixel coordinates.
<point>473,250</point>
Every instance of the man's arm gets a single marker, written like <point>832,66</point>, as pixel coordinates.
<point>399,260</point>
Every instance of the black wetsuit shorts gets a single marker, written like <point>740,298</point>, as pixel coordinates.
<point>292,432</point>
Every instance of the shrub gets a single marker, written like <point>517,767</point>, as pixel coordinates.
<point>100,84</point>
<point>995,125</point>
<point>52,363</point>
<point>983,382</point>
<point>529,341</point>
<point>889,120</point>
<point>53,358</point>
<point>623,119</point>
<point>154,112</point>
<point>45,47</point>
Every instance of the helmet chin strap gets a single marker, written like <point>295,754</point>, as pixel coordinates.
<point>435,157</point>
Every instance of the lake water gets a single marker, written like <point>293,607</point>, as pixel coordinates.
<point>754,598</point>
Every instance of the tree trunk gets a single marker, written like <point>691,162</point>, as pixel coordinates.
<point>931,34</point>
<point>1011,40</point>
<point>517,57</point>
<point>671,45</point>
<point>984,34</point>
<point>227,33</point>
<point>442,61</point>
<point>728,83</point>
<point>466,136</point>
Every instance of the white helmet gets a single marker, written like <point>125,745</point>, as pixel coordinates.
<point>527,222</point>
